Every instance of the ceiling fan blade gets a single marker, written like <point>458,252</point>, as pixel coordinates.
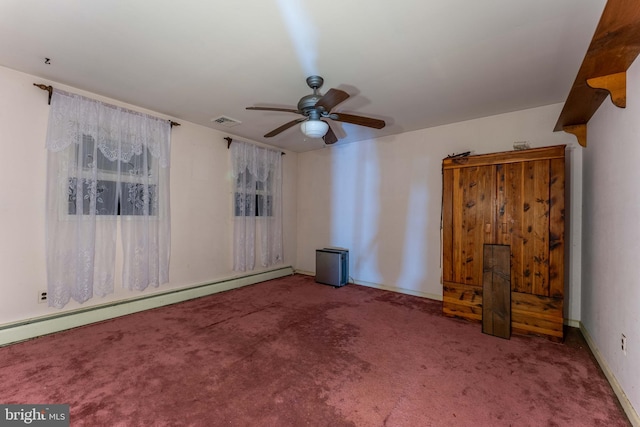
<point>358,120</point>
<point>284,110</point>
<point>285,127</point>
<point>330,136</point>
<point>332,98</point>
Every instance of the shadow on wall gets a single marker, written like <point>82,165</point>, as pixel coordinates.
<point>355,207</point>
<point>379,211</point>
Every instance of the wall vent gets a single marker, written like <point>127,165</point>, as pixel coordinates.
<point>226,121</point>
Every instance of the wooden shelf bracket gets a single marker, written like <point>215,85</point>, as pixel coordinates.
<point>615,84</point>
<point>580,131</point>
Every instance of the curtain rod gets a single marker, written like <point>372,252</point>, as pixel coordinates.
<point>229,141</point>
<point>50,90</point>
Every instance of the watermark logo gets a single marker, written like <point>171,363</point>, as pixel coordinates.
<point>34,415</point>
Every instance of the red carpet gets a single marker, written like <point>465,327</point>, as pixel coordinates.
<point>290,352</point>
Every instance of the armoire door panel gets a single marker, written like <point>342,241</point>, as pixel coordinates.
<point>447,225</point>
<point>459,227</point>
<point>472,201</point>
<point>470,248</point>
<point>509,204</point>
<point>528,210</point>
<point>556,228</point>
<point>538,228</point>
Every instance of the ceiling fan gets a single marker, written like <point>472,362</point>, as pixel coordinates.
<point>316,108</point>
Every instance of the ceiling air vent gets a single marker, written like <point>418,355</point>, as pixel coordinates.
<point>226,121</point>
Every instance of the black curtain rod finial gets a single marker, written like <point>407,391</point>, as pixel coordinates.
<point>47,88</point>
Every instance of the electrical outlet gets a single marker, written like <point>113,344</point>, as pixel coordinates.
<point>623,344</point>
<point>42,297</point>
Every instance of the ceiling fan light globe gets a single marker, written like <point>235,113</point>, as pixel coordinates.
<point>314,128</point>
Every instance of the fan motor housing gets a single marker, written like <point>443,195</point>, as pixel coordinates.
<point>308,102</point>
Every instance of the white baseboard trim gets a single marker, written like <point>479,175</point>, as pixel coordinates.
<point>617,389</point>
<point>399,290</point>
<point>35,327</point>
<point>572,323</point>
<point>383,287</point>
<point>306,273</point>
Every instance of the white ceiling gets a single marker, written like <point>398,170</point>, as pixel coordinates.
<point>413,63</point>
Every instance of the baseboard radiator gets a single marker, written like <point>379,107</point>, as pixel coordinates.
<point>35,327</point>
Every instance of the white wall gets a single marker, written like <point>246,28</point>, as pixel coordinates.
<point>611,283</point>
<point>200,203</point>
<point>381,198</point>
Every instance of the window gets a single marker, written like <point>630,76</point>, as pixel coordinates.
<point>262,197</point>
<point>113,196</point>
<point>139,164</point>
<point>133,198</point>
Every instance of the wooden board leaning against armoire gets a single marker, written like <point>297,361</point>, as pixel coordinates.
<point>513,198</point>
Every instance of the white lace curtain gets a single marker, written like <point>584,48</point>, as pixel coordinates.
<point>106,165</point>
<point>257,175</point>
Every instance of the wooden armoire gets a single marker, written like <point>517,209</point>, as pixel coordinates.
<point>513,198</point>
